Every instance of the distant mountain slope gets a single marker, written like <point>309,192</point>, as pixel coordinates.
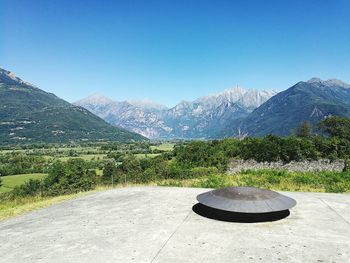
<point>145,119</point>
<point>28,115</point>
<point>206,116</point>
<point>309,101</point>
<point>201,118</point>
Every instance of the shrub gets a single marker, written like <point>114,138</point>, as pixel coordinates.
<point>109,172</point>
<point>213,181</point>
<point>336,188</point>
<point>29,188</point>
<point>203,171</point>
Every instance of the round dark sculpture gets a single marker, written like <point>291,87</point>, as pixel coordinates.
<point>246,200</point>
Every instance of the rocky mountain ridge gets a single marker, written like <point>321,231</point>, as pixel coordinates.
<point>307,101</point>
<point>201,118</point>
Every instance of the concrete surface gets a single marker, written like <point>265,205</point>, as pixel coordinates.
<point>157,224</point>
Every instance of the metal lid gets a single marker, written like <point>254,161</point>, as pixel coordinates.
<point>246,200</point>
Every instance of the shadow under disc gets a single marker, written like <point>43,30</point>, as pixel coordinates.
<point>228,216</point>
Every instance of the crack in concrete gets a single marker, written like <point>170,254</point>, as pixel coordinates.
<point>166,242</point>
<point>335,211</point>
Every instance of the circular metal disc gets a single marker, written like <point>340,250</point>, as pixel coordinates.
<point>246,200</point>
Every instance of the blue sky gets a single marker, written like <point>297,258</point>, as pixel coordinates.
<point>173,50</point>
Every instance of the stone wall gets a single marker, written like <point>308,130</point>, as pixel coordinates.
<point>236,166</point>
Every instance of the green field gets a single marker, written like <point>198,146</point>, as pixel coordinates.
<point>145,155</point>
<point>11,181</point>
<point>86,157</point>
<point>166,147</point>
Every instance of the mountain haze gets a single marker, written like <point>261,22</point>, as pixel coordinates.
<point>202,118</point>
<point>31,115</point>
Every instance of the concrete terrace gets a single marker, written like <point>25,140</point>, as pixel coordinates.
<point>157,224</point>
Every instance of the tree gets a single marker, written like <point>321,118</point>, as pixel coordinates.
<point>69,177</point>
<point>304,130</point>
<point>336,127</point>
<point>109,171</point>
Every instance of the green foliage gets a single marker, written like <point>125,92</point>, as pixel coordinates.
<point>30,115</point>
<point>109,172</point>
<point>11,181</point>
<point>213,181</point>
<point>304,130</point>
<point>30,188</point>
<point>199,172</point>
<point>63,178</point>
<point>267,149</point>
<point>205,154</point>
<point>333,182</point>
<point>75,176</point>
<point>336,127</point>
<point>19,163</point>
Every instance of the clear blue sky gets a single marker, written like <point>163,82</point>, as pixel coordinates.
<point>173,50</point>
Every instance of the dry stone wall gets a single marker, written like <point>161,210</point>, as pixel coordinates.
<point>236,166</point>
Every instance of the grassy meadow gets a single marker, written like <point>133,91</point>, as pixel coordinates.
<point>11,181</point>
<point>324,182</point>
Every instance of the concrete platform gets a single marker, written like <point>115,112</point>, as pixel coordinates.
<point>157,224</point>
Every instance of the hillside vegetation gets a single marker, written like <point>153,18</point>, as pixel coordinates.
<point>31,115</point>
<point>194,163</point>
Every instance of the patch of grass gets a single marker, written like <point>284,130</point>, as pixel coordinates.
<point>11,181</point>
<point>334,182</point>
<point>331,182</point>
<point>85,157</point>
<point>166,147</point>
<point>23,205</point>
<point>145,155</point>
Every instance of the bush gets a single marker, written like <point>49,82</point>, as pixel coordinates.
<point>336,188</point>
<point>203,171</point>
<point>63,178</point>
<point>76,177</point>
<point>29,188</point>
<point>213,181</point>
<point>109,172</point>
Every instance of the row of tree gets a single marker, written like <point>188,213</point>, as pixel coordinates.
<point>200,158</point>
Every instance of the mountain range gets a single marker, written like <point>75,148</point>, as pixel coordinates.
<point>310,101</point>
<point>199,119</point>
<point>31,115</point>
<point>234,112</point>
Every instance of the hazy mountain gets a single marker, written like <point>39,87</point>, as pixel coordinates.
<point>309,101</point>
<point>206,116</point>
<point>142,117</point>
<point>29,114</point>
<point>201,118</point>
<point>147,105</point>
